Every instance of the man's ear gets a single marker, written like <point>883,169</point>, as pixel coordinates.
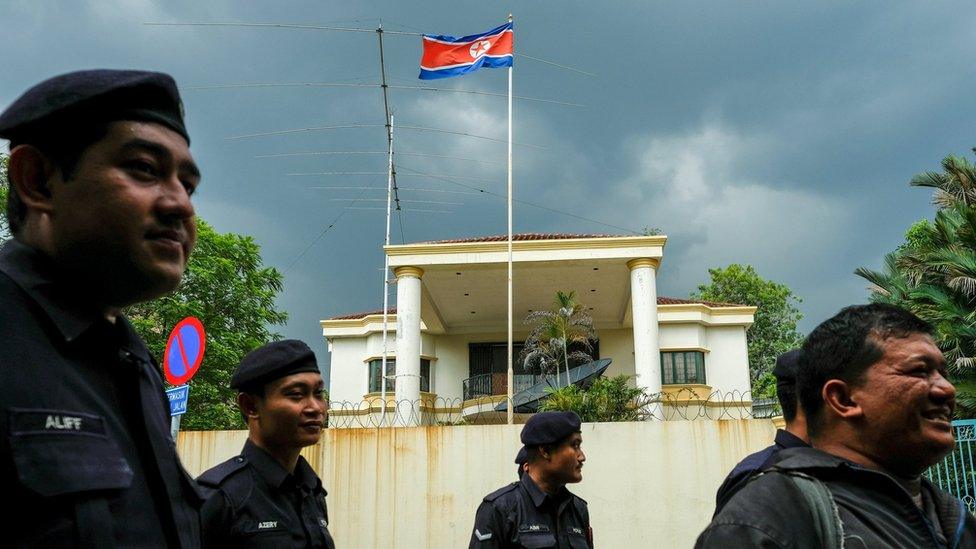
<point>248,405</point>
<point>29,171</point>
<point>839,400</point>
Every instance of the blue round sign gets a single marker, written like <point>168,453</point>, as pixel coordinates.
<point>184,351</point>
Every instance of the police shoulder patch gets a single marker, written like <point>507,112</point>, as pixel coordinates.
<point>501,491</point>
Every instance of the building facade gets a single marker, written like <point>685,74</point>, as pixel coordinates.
<point>446,342</point>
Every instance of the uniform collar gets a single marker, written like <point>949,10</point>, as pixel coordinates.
<point>537,495</point>
<point>274,474</point>
<point>36,275</point>
<point>786,439</point>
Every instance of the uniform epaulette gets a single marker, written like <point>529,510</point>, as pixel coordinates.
<point>494,495</point>
<point>214,477</point>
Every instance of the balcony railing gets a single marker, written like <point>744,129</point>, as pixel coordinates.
<point>497,384</point>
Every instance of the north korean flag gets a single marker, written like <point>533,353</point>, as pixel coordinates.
<point>446,56</point>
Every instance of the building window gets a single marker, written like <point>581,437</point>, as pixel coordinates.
<point>376,375</point>
<point>679,367</point>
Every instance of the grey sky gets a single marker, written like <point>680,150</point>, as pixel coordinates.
<point>776,134</point>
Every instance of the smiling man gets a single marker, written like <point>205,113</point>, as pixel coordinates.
<point>538,510</point>
<point>101,177</point>
<point>269,496</point>
<point>873,386</point>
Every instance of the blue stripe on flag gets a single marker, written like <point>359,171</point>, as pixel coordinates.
<point>484,61</point>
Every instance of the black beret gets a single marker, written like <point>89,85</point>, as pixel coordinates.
<point>786,367</point>
<point>522,456</point>
<point>273,361</point>
<point>549,427</point>
<point>90,96</point>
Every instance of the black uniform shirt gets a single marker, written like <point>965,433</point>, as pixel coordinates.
<point>86,457</point>
<point>256,503</point>
<point>522,515</point>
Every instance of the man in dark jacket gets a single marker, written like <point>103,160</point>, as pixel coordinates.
<point>538,510</point>
<point>873,385</point>
<point>793,436</point>
<point>269,496</point>
<point>100,176</point>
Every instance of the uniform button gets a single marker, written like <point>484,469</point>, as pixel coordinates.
<point>240,460</point>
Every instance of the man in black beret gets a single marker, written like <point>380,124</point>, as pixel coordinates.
<point>269,496</point>
<point>100,177</point>
<point>793,436</point>
<point>520,460</point>
<point>538,510</point>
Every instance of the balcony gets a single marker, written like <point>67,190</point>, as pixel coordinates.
<point>486,385</point>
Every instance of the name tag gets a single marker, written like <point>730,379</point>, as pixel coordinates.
<point>267,525</point>
<point>59,421</point>
<point>529,528</point>
<point>575,530</point>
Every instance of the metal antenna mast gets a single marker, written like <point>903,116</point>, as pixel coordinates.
<point>389,205</point>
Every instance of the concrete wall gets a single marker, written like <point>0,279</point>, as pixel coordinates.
<point>648,484</point>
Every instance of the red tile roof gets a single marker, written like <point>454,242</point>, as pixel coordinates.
<point>521,237</point>
<point>660,301</point>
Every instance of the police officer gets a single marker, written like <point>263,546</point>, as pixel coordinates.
<point>520,459</point>
<point>538,510</point>
<point>100,177</point>
<point>269,496</point>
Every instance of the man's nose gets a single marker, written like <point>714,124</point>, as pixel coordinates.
<point>175,201</point>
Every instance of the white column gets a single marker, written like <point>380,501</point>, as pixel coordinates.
<point>408,345</point>
<point>643,297</point>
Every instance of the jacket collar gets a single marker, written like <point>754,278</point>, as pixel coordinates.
<point>37,276</point>
<point>536,494</point>
<point>274,474</point>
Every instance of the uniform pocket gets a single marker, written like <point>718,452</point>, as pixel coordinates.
<point>60,452</point>
<point>536,540</point>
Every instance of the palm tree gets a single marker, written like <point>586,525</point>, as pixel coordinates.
<point>557,331</point>
<point>956,184</point>
<point>933,274</point>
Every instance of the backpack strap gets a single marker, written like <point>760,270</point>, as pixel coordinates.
<point>823,508</point>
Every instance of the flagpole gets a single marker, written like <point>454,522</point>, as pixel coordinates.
<point>511,373</point>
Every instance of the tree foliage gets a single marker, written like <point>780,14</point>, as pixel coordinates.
<point>607,399</point>
<point>558,336</point>
<point>773,331</point>
<point>933,273</point>
<point>233,295</point>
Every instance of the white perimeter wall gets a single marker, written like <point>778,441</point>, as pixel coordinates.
<point>648,484</point>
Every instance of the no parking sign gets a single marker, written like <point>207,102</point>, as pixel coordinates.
<point>184,351</point>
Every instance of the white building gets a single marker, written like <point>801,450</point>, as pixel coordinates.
<point>446,346</point>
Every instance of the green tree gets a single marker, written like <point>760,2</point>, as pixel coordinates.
<point>773,331</point>
<point>607,399</point>
<point>933,273</point>
<point>558,336</point>
<point>233,295</point>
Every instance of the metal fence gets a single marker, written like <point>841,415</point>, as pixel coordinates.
<point>480,409</point>
<point>956,473</point>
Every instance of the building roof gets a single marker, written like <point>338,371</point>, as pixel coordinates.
<point>521,237</point>
<point>660,301</point>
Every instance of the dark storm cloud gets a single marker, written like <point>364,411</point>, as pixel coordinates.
<point>781,135</point>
